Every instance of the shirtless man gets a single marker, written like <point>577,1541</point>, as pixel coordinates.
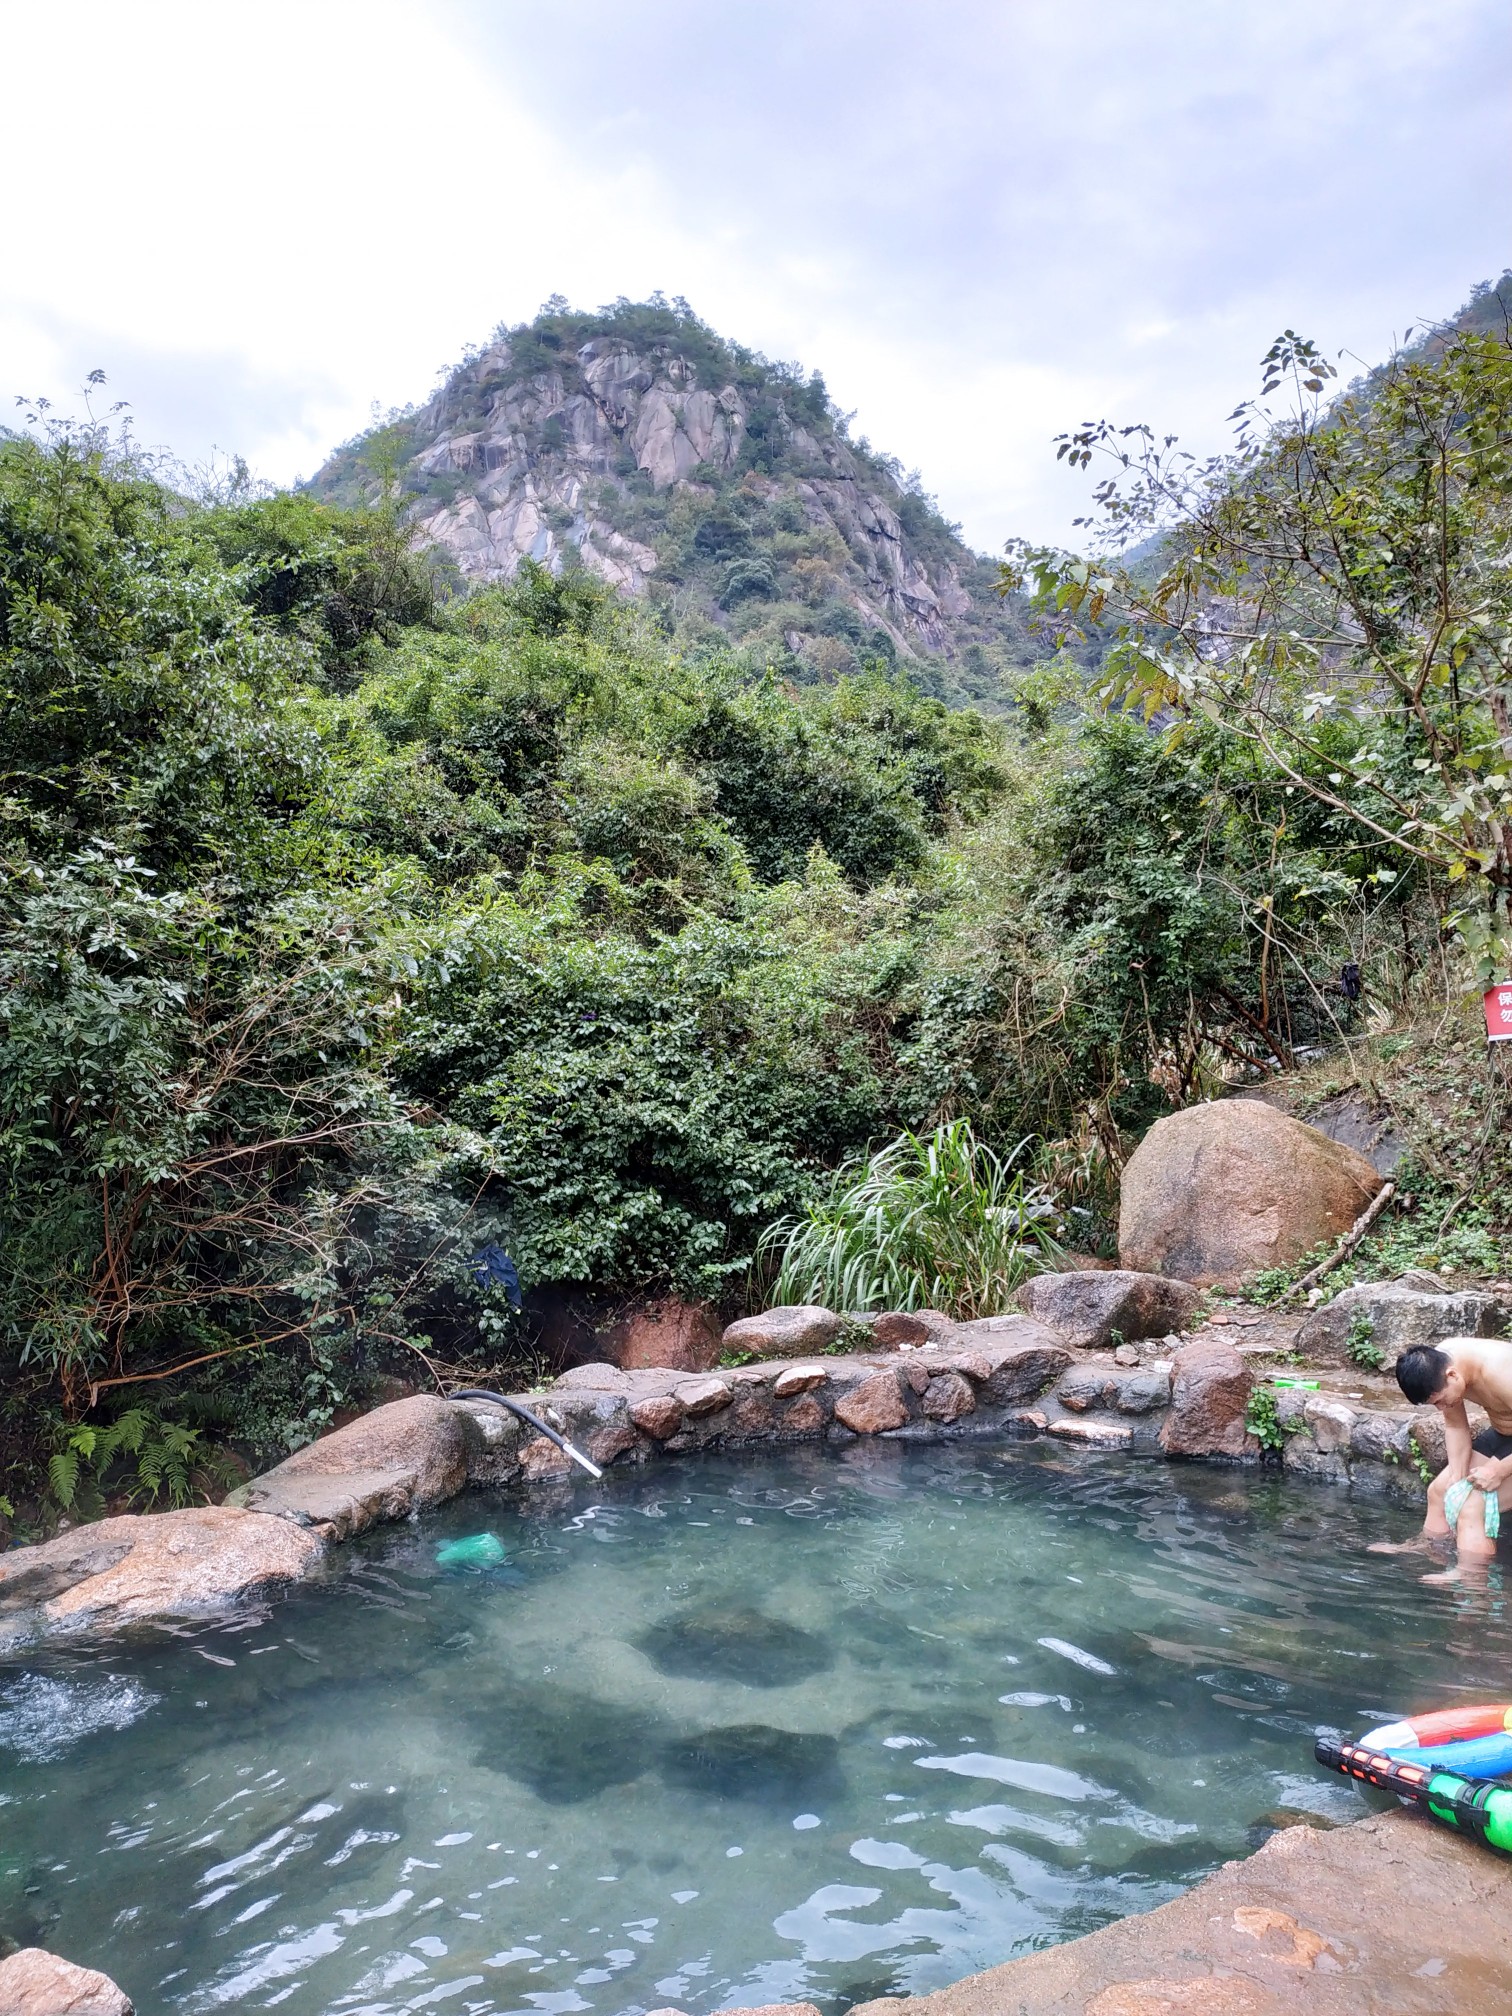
<point>1446,1376</point>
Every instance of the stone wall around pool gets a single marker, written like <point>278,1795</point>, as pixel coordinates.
<point>1004,1377</point>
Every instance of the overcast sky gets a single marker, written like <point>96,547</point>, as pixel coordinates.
<point>984,220</point>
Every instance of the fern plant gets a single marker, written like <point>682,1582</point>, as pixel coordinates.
<point>936,1221</point>
<point>167,1459</point>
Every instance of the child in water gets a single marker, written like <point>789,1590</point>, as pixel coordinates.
<point>1463,1500</point>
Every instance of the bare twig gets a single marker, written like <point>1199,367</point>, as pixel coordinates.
<point>1346,1245</point>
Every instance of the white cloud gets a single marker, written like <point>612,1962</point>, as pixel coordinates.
<point>984,221</point>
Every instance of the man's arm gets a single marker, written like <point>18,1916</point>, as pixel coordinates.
<point>1457,1441</point>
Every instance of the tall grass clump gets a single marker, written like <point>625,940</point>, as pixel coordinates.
<point>937,1221</point>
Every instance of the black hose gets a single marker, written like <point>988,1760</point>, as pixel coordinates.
<point>518,1407</point>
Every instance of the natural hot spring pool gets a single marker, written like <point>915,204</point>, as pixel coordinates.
<point>814,1725</point>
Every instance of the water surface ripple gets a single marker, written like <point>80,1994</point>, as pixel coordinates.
<point>808,1726</point>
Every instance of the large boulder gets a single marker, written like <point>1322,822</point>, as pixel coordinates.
<point>1218,1192</point>
<point>1210,1390</point>
<point>397,1460</point>
<point>796,1330</point>
<point>38,1983</point>
<point>682,1335</point>
<point>1392,1916</point>
<point>1086,1308</point>
<point>146,1568</point>
<point>1399,1316</point>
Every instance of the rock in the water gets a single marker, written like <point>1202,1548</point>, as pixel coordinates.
<point>1217,1192</point>
<point>735,1642</point>
<point>756,1762</point>
<point>1399,1317</point>
<point>658,1417</point>
<point>874,1406</point>
<point>1086,1308</point>
<point>397,1460</point>
<point>36,1983</point>
<point>142,1567</point>
<point>1210,1389</point>
<point>566,1746</point>
<point>948,1397</point>
<point>1093,1434</point>
<point>790,1332</point>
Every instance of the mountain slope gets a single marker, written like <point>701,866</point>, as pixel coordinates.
<point>721,488</point>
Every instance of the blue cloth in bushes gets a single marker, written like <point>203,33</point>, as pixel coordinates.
<point>493,1268</point>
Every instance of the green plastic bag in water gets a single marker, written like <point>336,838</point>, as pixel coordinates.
<point>478,1550</point>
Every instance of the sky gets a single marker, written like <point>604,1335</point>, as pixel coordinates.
<point>985,223</point>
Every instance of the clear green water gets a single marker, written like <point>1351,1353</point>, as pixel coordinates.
<point>813,1726</point>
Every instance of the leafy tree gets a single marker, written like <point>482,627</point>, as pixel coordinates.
<point>1336,593</point>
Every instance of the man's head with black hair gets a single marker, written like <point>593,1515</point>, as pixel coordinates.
<point>1423,1372</point>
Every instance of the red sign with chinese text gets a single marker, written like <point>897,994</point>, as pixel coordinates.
<point>1498,1002</point>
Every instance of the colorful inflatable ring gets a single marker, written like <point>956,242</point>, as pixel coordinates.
<point>1475,1742</point>
<point>1482,1810</point>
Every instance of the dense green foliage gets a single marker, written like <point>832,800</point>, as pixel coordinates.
<point>345,928</point>
<point>1337,596</point>
<point>349,924</point>
<point>939,1222</point>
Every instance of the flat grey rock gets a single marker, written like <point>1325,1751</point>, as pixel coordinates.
<point>1086,1308</point>
<point>1399,1316</point>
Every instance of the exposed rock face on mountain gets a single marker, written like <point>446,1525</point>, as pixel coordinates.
<point>723,489</point>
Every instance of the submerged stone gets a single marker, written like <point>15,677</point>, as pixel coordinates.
<point>752,1760</point>
<point>565,1747</point>
<point>736,1643</point>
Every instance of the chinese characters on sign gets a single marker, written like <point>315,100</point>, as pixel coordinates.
<point>1499,1012</point>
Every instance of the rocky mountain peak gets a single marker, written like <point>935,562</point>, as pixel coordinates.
<point>723,489</point>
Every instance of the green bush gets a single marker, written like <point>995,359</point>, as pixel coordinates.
<point>939,1222</point>
<point>344,928</point>
<point>1262,1420</point>
<point>1360,1343</point>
